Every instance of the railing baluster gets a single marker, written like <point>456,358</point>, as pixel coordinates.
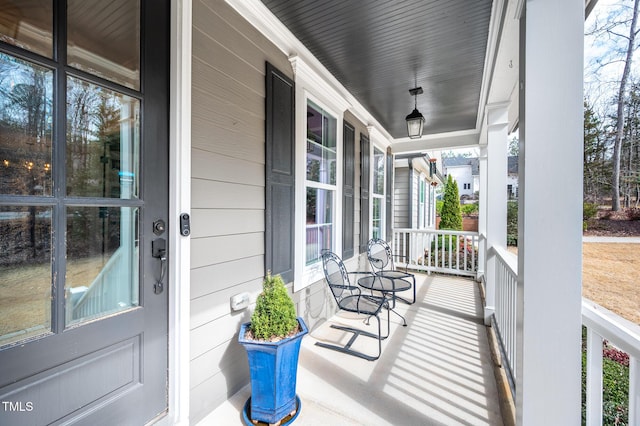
<point>428,249</point>
<point>634,390</point>
<point>438,250</point>
<point>594,378</point>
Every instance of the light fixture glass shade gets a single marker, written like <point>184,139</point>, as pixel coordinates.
<point>415,123</point>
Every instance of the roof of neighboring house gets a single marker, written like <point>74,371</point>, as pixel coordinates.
<point>463,161</point>
<point>512,164</point>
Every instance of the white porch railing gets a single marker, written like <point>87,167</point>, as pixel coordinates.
<point>505,316</point>
<point>318,237</point>
<point>603,325</point>
<point>110,290</point>
<point>429,250</point>
<point>600,323</point>
<point>457,253</point>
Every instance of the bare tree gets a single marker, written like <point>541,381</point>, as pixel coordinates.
<point>611,30</point>
<point>617,147</point>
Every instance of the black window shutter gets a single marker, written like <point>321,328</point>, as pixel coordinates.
<point>279,174</point>
<point>364,192</point>
<point>348,142</point>
<point>389,196</point>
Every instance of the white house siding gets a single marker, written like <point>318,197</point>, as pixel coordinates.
<point>513,181</point>
<point>462,175</point>
<point>227,192</point>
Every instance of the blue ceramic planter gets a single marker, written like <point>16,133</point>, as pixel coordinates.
<point>274,368</point>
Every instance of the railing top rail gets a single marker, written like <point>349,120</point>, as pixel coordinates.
<point>622,333</point>
<point>509,259</point>
<point>437,231</point>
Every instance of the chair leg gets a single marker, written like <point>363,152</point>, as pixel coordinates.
<point>404,321</point>
<point>414,293</point>
<point>414,289</point>
<point>356,332</point>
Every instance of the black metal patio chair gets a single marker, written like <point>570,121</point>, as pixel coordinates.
<point>382,264</point>
<point>350,298</point>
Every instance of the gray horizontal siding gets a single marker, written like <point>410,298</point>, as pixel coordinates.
<point>227,192</point>
<point>401,198</point>
<point>227,274</point>
<point>228,169</point>
<point>207,222</point>
<point>220,195</point>
<point>225,248</point>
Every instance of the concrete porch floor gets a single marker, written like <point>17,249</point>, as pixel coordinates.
<point>436,371</point>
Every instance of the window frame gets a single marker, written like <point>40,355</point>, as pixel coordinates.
<point>306,275</point>
<point>319,185</point>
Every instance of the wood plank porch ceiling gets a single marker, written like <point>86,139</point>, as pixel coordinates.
<point>380,49</point>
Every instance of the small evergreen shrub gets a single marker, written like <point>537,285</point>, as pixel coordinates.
<point>589,211</point>
<point>275,315</point>
<point>451,214</point>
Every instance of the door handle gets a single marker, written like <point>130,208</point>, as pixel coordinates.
<point>159,251</point>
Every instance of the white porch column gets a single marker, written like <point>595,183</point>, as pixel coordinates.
<point>482,214</point>
<point>550,213</point>
<point>496,220</point>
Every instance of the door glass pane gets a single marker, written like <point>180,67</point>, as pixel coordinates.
<point>104,39</point>
<point>103,142</point>
<point>25,272</point>
<point>27,24</point>
<point>102,262</point>
<point>25,127</point>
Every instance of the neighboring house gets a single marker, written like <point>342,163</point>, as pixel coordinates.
<point>466,172</point>
<point>416,181</point>
<point>159,157</point>
<point>512,177</point>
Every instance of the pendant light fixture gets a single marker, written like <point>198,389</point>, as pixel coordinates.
<point>415,120</point>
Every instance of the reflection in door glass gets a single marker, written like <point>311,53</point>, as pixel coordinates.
<point>25,127</point>
<point>103,142</point>
<point>98,46</point>
<point>25,272</point>
<point>102,261</point>
<point>27,24</point>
